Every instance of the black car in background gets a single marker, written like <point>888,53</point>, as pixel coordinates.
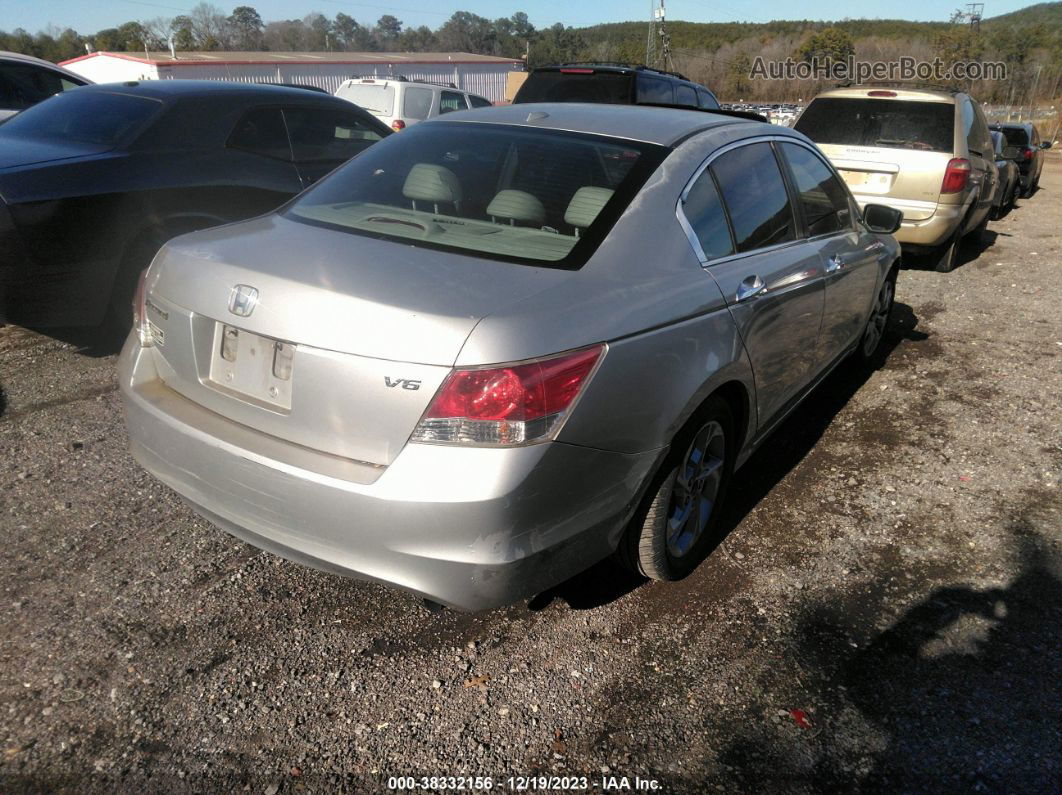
<point>93,181</point>
<point>1030,158</point>
<point>1009,177</point>
<point>614,84</point>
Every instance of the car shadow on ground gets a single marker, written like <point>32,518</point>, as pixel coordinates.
<point>961,690</point>
<point>93,341</point>
<point>789,444</point>
<point>968,252</point>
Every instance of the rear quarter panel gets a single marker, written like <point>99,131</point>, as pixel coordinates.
<point>671,338</point>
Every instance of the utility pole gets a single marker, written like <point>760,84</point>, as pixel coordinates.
<point>658,54</point>
<point>974,12</point>
<point>650,43</point>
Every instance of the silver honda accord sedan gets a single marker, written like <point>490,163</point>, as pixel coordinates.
<point>503,345</point>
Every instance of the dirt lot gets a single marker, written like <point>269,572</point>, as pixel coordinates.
<point>885,609</point>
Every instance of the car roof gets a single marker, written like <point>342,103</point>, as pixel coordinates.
<point>664,126</point>
<point>921,94</point>
<point>397,82</point>
<point>174,89</point>
<point>620,68</point>
<point>29,59</point>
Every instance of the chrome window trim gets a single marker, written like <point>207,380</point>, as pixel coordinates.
<point>687,227</point>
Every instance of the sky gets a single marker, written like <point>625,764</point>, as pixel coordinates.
<point>34,15</point>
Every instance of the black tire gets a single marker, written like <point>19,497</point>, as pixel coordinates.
<point>646,547</point>
<point>947,257</point>
<point>874,332</point>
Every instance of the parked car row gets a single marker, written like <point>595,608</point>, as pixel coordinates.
<point>485,353</point>
<point>926,152</point>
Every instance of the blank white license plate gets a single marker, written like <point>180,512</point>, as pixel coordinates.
<point>255,367</point>
<point>869,179</point>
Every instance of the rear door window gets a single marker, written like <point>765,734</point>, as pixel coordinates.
<point>755,196</point>
<point>706,100</point>
<point>450,101</point>
<point>822,197</point>
<point>900,124</point>
<point>654,90</point>
<point>479,102</point>
<point>321,134</point>
<point>22,85</point>
<point>685,95</point>
<point>262,132</point>
<point>417,103</point>
<point>705,214</point>
<point>376,98</point>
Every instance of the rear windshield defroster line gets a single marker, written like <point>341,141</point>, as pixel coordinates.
<point>503,192</point>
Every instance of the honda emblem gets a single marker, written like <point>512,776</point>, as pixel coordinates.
<point>243,300</point>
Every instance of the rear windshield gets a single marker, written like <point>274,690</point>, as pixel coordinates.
<point>1016,136</point>
<point>92,117</point>
<point>611,88</point>
<point>498,191</point>
<point>899,124</point>
<point>375,98</point>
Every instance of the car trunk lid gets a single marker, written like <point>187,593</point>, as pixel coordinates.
<point>19,151</point>
<point>364,330</point>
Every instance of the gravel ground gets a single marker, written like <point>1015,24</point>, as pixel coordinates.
<point>884,608</point>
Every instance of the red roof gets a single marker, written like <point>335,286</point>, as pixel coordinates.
<point>301,58</point>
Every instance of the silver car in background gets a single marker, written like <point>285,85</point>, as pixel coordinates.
<point>499,347</point>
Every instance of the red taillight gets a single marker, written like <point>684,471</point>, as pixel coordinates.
<point>140,321</point>
<point>397,125</point>
<point>1028,154</point>
<point>512,404</point>
<point>576,71</point>
<point>956,175</point>
<point>881,93</point>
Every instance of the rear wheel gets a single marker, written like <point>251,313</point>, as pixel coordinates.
<point>670,535</point>
<point>874,332</point>
<point>948,254</point>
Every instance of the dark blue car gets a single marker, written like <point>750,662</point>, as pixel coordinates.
<point>93,181</point>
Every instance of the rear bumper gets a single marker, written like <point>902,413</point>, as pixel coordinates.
<point>932,231</point>
<point>472,528</point>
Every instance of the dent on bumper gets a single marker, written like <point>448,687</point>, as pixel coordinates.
<point>469,527</point>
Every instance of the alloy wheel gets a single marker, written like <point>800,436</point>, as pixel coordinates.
<point>879,316</point>
<point>696,489</point>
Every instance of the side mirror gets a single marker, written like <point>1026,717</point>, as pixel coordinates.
<point>1011,152</point>
<point>1045,145</point>
<point>881,219</point>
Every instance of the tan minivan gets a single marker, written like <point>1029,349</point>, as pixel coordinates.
<point>925,152</point>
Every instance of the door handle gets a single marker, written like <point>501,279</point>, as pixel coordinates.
<point>834,263</point>
<point>750,288</point>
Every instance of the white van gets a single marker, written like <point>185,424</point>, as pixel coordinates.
<point>400,102</point>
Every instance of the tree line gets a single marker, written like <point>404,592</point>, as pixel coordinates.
<point>716,54</point>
